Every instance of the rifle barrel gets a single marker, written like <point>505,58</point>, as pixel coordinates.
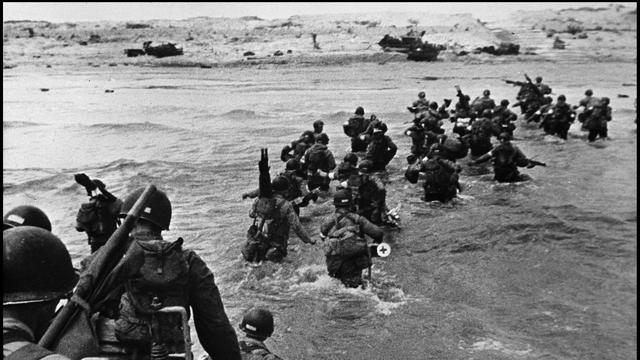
<point>99,267</point>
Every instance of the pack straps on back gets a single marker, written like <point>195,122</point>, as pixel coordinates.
<point>335,232</point>
<point>276,209</point>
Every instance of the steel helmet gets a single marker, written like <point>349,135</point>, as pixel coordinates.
<point>36,266</point>
<point>26,215</point>
<point>351,158</point>
<point>504,136</point>
<point>342,198</point>
<point>421,95</point>
<point>292,164</point>
<point>323,138</point>
<point>486,92</point>
<point>562,98</point>
<point>504,102</point>
<point>606,100</point>
<point>365,165</point>
<point>308,136</point>
<point>380,127</point>
<point>318,123</point>
<point>589,92</point>
<point>157,210</point>
<point>359,110</point>
<point>280,183</point>
<point>258,323</point>
<point>539,79</point>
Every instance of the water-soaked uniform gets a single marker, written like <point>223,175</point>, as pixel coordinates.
<point>480,137</point>
<point>318,158</point>
<point>380,151</point>
<point>355,126</point>
<point>441,179</point>
<point>369,196</point>
<point>348,264</point>
<point>215,333</point>
<point>597,121</point>
<point>273,246</point>
<point>503,119</point>
<point>506,160</point>
<point>561,119</point>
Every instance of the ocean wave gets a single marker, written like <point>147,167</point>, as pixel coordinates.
<point>342,115</point>
<point>19,124</point>
<point>32,180</point>
<point>139,126</point>
<point>238,114</point>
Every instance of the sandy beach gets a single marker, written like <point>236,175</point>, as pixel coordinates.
<point>590,34</point>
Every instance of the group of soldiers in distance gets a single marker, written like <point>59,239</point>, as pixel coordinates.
<point>134,280</point>
<point>310,167</point>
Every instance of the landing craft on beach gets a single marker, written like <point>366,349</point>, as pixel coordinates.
<point>411,44</point>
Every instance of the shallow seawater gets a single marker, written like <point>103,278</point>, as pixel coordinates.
<point>544,269</point>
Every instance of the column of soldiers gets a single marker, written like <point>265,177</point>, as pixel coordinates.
<point>149,277</point>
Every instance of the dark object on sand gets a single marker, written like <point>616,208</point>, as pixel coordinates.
<point>278,53</point>
<point>108,91</point>
<point>426,52</point>
<point>248,53</point>
<point>623,95</point>
<point>502,49</point>
<point>558,44</point>
<point>44,89</point>
<point>134,52</point>
<point>412,45</point>
<point>162,50</point>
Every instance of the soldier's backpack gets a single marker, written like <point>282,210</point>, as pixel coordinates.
<point>354,126</point>
<point>161,281</point>
<point>437,178</point>
<point>412,174</point>
<point>503,157</point>
<point>316,158</point>
<point>263,212</point>
<point>97,217</point>
<point>455,148</point>
<point>344,242</point>
<point>293,191</point>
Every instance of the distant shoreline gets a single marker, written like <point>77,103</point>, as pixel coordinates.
<point>601,35</point>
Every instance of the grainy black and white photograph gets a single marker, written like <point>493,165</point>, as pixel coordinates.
<point>319,180</point>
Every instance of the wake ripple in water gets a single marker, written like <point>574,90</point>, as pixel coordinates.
<point>281,284</point>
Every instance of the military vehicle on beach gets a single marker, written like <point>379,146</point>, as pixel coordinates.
<point>159,51</point>
<point>412,45</point>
